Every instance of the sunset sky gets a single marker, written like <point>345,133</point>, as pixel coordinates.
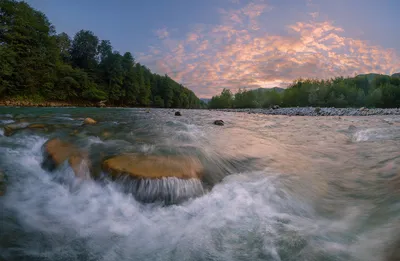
<point>208,45</point>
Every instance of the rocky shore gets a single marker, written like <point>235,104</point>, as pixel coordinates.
<point>27,103</point>
<point>316,111</point>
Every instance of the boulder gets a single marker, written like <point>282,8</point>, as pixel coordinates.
<point>89,121</point>
<point>219,122</point>
<point>58,151</point>
<point>10,129</point>
<point>178,113</point>
<point>153,167</point>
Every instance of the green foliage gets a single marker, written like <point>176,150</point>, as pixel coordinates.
<point>372,90</point>
<point>37,62</point>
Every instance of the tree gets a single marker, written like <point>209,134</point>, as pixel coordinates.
<point>64,45</point>
<point>84,50</point>
<point>36,62</point>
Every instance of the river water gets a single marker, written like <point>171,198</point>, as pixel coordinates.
<point>275,188</point>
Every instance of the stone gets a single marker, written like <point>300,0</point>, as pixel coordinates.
<point>177,113</point>
<point>2,183</point>
<point>219,122</point>
<point>58,151</point>
<point>101,104</point>
<point>106,134</point>
<point>80,164</point>
<point>275,107</point>
<point>10,129</point>
<point>153,167</point>
<point>37,126</point>
<point>89,121</point>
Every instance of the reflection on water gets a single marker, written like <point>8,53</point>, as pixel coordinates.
<point>275,188</point>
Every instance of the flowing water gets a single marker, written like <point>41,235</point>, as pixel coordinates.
<point>274,188</point>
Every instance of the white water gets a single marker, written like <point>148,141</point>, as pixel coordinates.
<point>319,199</point>
<point>246,217</point>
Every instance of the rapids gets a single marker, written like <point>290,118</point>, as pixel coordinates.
<point>274,188</point>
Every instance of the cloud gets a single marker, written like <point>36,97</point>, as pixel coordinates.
<point>162,33</point>
<point>314,15</point>
<point>235,53</point>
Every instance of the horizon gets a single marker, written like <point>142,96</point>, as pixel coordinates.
<point>211,45</point>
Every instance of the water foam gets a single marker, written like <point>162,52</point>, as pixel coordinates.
<point>248,216</point>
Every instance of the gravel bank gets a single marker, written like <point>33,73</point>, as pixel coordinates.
<point>316,111</point>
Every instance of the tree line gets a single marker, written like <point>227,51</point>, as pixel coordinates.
<point>39,64</point>
<point>371,90</point>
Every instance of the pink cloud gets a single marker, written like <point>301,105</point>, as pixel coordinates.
<point>234,54</point>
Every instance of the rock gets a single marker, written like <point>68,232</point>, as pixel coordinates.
<point>275,107</point>
<point>10,129</point>
<point>89,121</point>
<point>317,110</point>
<point>153,167</point>
<point>101,104</point>
<point>106,134</point>
<point>37,126</point>
<point>58,151</point>
<point>2,183</point>
<point>80,164</point>
<point>178,113</point>
<point>219,122</point>
<point>74,132</point>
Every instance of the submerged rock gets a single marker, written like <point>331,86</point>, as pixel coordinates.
<point>178,113</point>
<point>153,167</point>
<point>10,129</point>
<point>58,151</point>
<point>89,121</point>
<point>79,163</point>
<point>2,183</point>
<point>37,126</point>
<point>219,122</point>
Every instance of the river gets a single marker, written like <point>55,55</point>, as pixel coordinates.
<point>275,188</point>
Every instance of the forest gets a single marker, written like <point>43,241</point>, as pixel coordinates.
<point>38,64</point>
<point>368,90</point>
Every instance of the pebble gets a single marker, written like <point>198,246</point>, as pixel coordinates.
<point>310,111</point>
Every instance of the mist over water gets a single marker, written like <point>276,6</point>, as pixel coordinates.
<point>274,188</point>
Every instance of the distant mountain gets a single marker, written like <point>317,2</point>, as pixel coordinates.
<point>206,100</point>
<point>370,76</point>
<point>397,75</point>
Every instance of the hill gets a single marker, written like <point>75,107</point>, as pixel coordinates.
<point>365,90</point>
<point>39,65</point>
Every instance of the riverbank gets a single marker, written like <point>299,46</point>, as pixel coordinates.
<point>316,111</point>
<point>29,103</point>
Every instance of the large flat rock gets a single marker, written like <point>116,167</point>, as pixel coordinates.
<point>153,167</point>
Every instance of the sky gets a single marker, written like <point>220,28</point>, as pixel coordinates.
<point>208,45</point>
